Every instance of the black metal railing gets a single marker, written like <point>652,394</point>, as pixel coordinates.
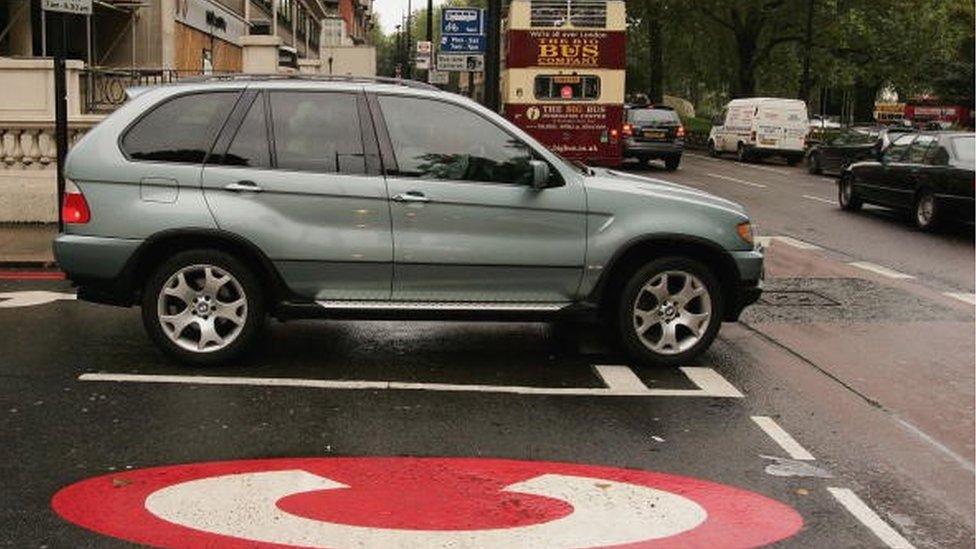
<point>103,89</point>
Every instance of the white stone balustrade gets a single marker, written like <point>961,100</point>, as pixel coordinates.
<point>28,181</point>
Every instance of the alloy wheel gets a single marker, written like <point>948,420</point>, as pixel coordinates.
<point>925,210</point>
<point>672,312</point>
<point>202,308</point>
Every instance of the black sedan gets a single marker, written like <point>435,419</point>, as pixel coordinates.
<point>849,146</point>
<point>930,175</point>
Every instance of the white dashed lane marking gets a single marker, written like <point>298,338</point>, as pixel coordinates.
<point>766,240</point>
<point>855,506</point>
<point>736,180</point>
<point>962,296</point>
<point>819,199</point>
<point>781,437</point>
<point>619,381</point>
<point>878,269</point>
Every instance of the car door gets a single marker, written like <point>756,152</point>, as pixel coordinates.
<point>467,224</point>
<point>877,182</point>
<point>915,172</point>
<point>298,176</point>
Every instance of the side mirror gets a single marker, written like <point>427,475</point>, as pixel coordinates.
<point>540,174</point>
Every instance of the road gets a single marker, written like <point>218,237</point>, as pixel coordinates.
<point>843,402</point>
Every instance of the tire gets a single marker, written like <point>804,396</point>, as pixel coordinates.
<point>650,346</point>
<point>671,163</point>
<point>846,196</point>
<point>793,160</point>
<point>712,151</point>
<point>813,164</point>
<point>740,153</point>
<point>925,211</point>
<point>642,162</point>
<point>231,310</point>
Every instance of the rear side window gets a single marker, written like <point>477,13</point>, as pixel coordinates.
<point>965,149</point>
<point>181,129</point>
<point>919,149</point>
<point>317,131</point>
<point>896,151</point>
<point>250,146</point>
<point>648,116</point>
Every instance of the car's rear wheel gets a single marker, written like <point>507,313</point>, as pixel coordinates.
<point>925,211</point>
<point>846,196</point>
<point>669,311</point>
<point>672,162</point>
<point>202,307</point>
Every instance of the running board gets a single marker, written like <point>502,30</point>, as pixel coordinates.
<point>460,306</point>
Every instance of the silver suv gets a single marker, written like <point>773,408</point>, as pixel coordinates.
<point>215,203</point>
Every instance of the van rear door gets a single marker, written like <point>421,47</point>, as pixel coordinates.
<point>782,126</point>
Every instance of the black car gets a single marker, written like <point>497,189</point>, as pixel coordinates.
<point>838,152</point>
<point>929,174</point>
<point>849,146</point>
<point>653,133</point>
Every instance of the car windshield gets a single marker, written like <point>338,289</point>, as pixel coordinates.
<point>651,116</point>
<point>965,149</point>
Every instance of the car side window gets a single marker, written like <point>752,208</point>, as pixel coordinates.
<point>938,155</point>
<point>181,129</point>
<point>919,149</point>
<point>896,150</point>
<point>250,146</point>
<point>437,140</point>
<point>317,131</point>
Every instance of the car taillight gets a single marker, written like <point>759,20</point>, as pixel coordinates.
<point>628,130</point>
<point>614,135</point>
<point>74,207</point>
<point>680,132</point>
<point>752,135</point>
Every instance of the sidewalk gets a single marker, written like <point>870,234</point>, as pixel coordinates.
<point>27,244</point>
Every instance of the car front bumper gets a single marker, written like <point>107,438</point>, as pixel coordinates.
<point>751,276</point>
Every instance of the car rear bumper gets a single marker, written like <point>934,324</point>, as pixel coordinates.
<point>97,265</point>
<point>653,149</point>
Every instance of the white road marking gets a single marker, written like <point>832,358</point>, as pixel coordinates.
<point>736,180</point>
<point>828,179</point>
<point>869,518</point>
<point>708,381</point>
<point>781,437</point>
<point>789,241</point>
<point>878,269</point>
<point>962,296</point>
<point>820,199</point>
<point>763,168</point>
<point>12,300</point>
<point>605,512</point>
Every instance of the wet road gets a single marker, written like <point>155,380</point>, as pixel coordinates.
<point>846,395</point>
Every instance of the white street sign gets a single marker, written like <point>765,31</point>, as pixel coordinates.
<point>460,62</point>
<point>424,48</point>
<point>81,7</point>
<point>423,62</point>
<point>439,77</point>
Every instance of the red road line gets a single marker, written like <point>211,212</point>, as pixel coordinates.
<point>31,275</point>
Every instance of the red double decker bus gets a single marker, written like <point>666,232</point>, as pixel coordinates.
<point>563,80</point>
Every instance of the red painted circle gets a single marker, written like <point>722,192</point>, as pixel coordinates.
<point>416,494</point>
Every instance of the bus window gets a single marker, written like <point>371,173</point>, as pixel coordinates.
<point>567,88</point>
<point>560,13</point>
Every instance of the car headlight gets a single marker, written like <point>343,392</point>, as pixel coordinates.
<point>745,232</point>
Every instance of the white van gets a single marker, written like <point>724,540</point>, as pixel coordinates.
<point>758,127</point>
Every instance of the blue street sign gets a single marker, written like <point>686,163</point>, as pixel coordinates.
<point>462,21</point>
<point>463,43</point>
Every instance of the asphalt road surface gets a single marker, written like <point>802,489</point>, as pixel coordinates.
<point>837,413</point>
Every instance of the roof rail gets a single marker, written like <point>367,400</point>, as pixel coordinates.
<point>311,77</point>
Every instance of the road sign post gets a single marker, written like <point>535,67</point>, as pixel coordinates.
<point>60,9</point>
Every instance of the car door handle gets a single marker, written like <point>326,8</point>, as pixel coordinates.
<point>412,196</point>
<point>243,186</point>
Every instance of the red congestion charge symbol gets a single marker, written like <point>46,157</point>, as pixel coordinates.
<point>420,502</point>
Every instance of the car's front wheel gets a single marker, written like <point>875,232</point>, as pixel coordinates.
<point>926,211</point>
<point>712,151</point>
<point>202,307</point>
<point>669,311</point>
